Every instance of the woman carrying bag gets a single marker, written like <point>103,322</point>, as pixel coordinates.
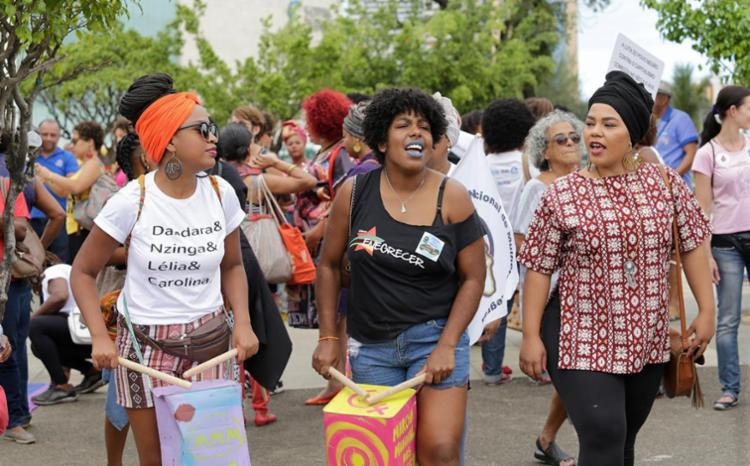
<point>184,257</point>
<point>604,335</point>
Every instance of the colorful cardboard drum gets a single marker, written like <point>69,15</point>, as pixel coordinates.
<point>202,426</point>
<point>358,434</point>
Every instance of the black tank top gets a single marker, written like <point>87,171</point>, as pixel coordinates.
<point>401,275</point>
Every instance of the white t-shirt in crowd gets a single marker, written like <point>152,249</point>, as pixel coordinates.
<point>52,273</point>
<point>531,197</point>
<point>507,170</point>
<point>176,249</point>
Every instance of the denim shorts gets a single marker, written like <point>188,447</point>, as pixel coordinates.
<point>392,362</point>
<point>116,414</point>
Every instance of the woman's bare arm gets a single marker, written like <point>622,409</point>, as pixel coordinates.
<point>65,186</point>
<point>54,212</point>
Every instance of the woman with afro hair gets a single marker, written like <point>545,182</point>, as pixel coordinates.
<point>413,240</point>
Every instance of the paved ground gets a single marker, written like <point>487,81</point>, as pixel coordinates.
<point>503,422</point>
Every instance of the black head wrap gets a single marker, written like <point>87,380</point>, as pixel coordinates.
<point>629,99</point>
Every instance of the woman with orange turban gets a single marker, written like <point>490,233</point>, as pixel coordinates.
<point>183,261</point>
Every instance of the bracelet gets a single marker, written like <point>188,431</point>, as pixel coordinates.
<point>328,338</point>
<point>290,169</point>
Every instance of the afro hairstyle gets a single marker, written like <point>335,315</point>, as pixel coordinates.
<point>387,104</point>
<point>505,125</point>
<point>325,112</point>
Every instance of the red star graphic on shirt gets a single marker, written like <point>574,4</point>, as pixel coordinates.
<point>365,240</point>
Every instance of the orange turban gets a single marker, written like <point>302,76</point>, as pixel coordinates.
<point>160,121</point>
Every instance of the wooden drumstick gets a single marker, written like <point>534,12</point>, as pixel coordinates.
<point>347,381</point>
<point>134,366</point>
<point>413,382</point>
<point>210,363</point>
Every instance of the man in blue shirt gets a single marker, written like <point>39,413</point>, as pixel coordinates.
<point>63,163</point>
<point>676,136</point>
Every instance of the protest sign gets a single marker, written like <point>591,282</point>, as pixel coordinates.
<point>638,62</point>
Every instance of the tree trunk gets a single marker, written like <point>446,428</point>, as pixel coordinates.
<point>18,167</point>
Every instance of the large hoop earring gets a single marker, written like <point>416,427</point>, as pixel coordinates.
<point>173,168</point>
<point>357,148</point>
<point>632,161</point>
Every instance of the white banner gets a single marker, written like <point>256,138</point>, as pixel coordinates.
<point>500,252</point>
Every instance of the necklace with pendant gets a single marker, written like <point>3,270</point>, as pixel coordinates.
<point>403,202</point>
<point>628,266</point>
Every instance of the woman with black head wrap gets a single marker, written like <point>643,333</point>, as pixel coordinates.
<point>603,335</point>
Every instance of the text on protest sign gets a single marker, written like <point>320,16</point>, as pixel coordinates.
<point>638,62</point>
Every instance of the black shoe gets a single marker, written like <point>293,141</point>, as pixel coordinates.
<point>54,396</point>
<point>89,384</point>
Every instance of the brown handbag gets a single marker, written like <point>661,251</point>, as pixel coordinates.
<point>30,252</point>
<point>680,375</point>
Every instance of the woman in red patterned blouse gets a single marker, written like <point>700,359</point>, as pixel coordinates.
<point>604,334</point>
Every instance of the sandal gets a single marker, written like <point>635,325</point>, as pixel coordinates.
<point>720,405</point>
<point>553,455</point>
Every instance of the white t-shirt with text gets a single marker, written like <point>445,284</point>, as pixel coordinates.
<point>176,249</point>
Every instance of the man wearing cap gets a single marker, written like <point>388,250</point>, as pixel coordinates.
<point>676,136</point>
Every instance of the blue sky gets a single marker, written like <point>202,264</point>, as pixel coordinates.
<point>597,32</point>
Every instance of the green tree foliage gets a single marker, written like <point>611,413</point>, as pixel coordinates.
<point>688,94</point>
<point>472,51</point>
<point>104,64</point>
<point>719,29</point>
<point>31,35</point>
<point>562,88</point>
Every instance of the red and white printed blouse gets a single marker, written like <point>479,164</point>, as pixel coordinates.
<point>612,239</point>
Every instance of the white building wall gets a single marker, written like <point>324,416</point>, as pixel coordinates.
<point>233,27</point>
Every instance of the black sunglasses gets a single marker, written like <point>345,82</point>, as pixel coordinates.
<point>205,128</point>
<point>562,139</point>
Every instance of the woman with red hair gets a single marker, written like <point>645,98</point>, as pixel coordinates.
<point>324,113</point>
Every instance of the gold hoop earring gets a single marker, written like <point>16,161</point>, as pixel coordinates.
<point>632,161</point>
<point>357,148</point>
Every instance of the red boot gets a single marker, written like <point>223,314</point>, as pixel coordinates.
<point>260,405</point>
<point>263,418</point>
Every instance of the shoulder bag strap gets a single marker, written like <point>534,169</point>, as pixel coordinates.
<point>142,186</point>
<point>713,158</point>
<point>351,209</point>
<point>677,260</point>
<point>215,185</point>
<point>275,209</point>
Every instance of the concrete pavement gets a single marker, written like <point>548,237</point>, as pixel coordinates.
<point>503,421</point>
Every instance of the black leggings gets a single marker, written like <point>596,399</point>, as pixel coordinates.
<point>51,343</point>
<point>607,410</point>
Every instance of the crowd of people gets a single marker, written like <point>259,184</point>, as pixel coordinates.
<point>181,238</point>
